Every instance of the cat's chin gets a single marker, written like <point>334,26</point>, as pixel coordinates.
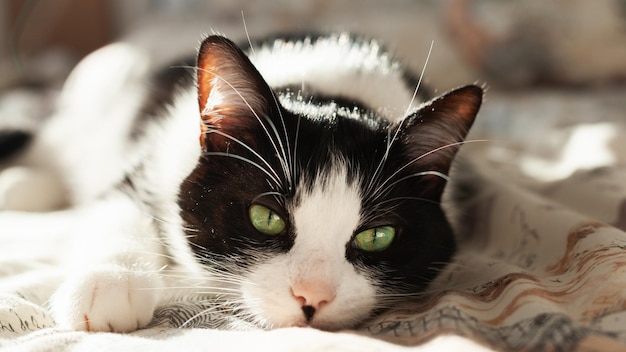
<point>330,326</point>
<point>320,323</point>
<point>326,326</point>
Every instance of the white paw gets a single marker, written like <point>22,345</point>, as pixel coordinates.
<point>116,300</point>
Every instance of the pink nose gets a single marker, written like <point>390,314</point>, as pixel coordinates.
<point>312,297</point>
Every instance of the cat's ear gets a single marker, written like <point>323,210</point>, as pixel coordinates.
<point>433,134</point>
<point>233,97</point>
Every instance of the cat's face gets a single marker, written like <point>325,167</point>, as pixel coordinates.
<point>321,217</point>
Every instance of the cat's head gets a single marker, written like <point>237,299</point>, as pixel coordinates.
<point>308,212</point>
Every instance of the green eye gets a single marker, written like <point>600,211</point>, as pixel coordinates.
<point>266,221</point>
<point>374,240</point>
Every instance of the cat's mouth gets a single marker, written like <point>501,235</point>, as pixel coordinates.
<point>330,318</point>
<point>314,323</point>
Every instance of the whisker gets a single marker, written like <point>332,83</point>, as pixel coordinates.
<point>295,150</point>
<point>418,174</point>
<point>450,145</point>
<point>383,160</point>
<point>215,276</point>
<point>197,315</point>
<point>384,184</point>
<point>409,198</point>
<point>163,221</point>
<point>390,141</point>
<point>231,309</point>
<point>419,81</point>
<point>240,142</point>
<point>245,28</point>
<point>277,194</point>
<point>285,153</point>
<point>238,157</point>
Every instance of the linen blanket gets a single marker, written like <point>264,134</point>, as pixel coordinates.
<point>542,261</point>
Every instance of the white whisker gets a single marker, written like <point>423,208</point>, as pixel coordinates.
<point>448,146</point>
<point>197,315</point>
<point>417,174</point>
<point>245,27</point>
<point>398,128</point>
<point>238,141</point>
<point>408,198</point>
<point>284,154</point>
<point>238,157</point>
<point>276,194</point>
<point>419,82</point>
<point>383,185</point>
<point>295,150</point>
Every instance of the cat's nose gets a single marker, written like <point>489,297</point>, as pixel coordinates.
<point>312,297</point>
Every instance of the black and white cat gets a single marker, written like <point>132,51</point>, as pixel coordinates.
<point>299,182</point>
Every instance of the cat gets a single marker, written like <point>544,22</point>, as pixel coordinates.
<point>299,182</point>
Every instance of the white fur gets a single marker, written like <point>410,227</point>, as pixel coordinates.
<point>315,271</point>
<point>118,271</point>
<point>85,141</point>
<point>337,66</point>
<point>174,157</point>
<point>111,282</point>
<point>107,298</point>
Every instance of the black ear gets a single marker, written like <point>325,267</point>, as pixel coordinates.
<point>433,134</point>
<point>233,97</point>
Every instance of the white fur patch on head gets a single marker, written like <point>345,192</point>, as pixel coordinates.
<point>338,65</point>
<point>315,272</point>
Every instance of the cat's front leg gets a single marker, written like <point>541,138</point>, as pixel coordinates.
<point>108,298</point>
<point>114,270</point>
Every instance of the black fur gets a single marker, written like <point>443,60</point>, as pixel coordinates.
<point>12,142</point>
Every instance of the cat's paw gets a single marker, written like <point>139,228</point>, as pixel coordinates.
<point>115,300</point>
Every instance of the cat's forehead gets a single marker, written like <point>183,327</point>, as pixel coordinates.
<point>328,210</point>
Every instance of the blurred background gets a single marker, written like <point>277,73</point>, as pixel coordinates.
<point>547,64</point>
<point>505,44</point>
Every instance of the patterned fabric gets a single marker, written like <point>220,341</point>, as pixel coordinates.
<point>536,275</point>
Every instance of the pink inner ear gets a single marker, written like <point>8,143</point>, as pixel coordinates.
<point>206,64</point>
<point>232,95</point>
